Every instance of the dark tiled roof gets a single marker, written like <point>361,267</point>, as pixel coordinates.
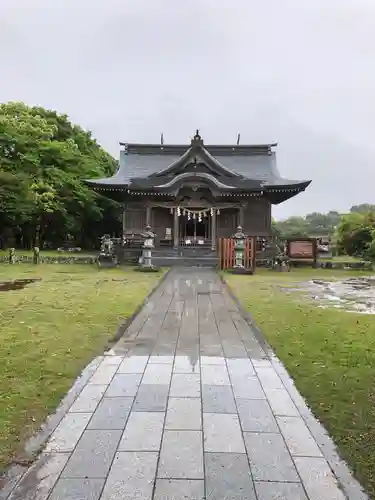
<point>252,162</point>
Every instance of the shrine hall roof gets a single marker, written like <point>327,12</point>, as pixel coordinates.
<point>255,162</point>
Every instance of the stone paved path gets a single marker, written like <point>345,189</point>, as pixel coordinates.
<point>187,406</point>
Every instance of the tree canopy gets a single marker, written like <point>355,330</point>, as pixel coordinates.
<point>43,160</point>
<point>354,232</point>
<point>314,224</point>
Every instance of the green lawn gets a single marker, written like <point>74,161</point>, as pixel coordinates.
<point>51,253</point>
<point>342,258</point>
<point>329,353</point>
<point>49,331</point>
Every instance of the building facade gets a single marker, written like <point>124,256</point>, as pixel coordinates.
<point>195,194</point>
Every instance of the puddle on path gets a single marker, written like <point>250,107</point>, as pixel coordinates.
<point>355,294</point>
<point>6,286</point>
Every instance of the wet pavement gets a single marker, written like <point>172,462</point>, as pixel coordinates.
<point>190,404</point>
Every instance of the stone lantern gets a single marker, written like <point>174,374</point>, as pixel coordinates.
<point>239,247</point>
<point>148,245</point>
<point>106,256</point>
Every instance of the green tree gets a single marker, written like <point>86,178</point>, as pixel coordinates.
<point>363,208</point>
<point>45,158</point>
<point>292,227</point>
<point>355,233</point>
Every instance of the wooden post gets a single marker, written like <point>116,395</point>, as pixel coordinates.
<point>176,235</point>
<point>241,216</point>
<point>148,215</point>
<point>123,220</point>
<point>213,230</point>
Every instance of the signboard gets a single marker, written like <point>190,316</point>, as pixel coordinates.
<point>302,249</point>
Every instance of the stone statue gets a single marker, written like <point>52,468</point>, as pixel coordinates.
<point>106,247</point>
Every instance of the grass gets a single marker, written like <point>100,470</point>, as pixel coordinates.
<point>329,353</point>
<point>49,331</point>
<point>341,258</point>
<point>51,253</point>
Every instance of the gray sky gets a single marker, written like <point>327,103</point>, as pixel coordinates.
<point>299,72</point>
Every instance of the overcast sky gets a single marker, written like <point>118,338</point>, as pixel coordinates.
<point>297,72</point>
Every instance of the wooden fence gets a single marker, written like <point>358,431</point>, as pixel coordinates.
<point>227,253</point>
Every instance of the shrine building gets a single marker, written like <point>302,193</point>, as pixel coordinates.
<point>193,194</point>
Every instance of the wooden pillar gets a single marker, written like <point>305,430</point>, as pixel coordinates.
<point>176,236</point>
<point>213,230</point>
<point>241,216</point>
<point>148,215</point>
<point>123,220</point>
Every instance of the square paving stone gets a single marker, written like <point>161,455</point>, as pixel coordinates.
<point>280,491</point>
<point>184,414</point>
<point>186,364</point>
<point>240,367</point>
<point>256,416</point>
<point>181,455</point>
<point>123,385</point>
<point>151,398</point>
<point>298,437</point>
<point>143,432</point>
<point>77,489</point>
<point>262,362</point>
<point>269,378</point>
<point>166,349</point>
<point>210,350</point>
<point>112,413</point>
<point>157,374</point>
<point>218,399</point>
<point>269,457</point>
<point>39,480</point>
<point>318,479</point>
<point>247,388</point>
<point>68,432</point>
<point>93,455</point>
<point>88,399</point>
<point>111,359</point>
<point>215,375</point>
<point>131,476</point>
<point>103,374</point>
<point>162,358</point>
<point>281,403</point>
<point>222,433</point>
<point>184,385</point>
<point>212,360</point>
<point>133,364</point>
<point>179,489</point>
<point>228,477</point>
<point>235,352</point>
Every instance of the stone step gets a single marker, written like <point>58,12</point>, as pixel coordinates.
<point>185,261</point>
<point>184,252</point>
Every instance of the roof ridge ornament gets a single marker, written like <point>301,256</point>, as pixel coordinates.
<point>197,139</point>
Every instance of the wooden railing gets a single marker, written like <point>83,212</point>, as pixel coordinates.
<point>227,253</point>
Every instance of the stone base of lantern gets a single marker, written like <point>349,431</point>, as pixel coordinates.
<point>107,260</point>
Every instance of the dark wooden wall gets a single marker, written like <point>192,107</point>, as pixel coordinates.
<point>161,218</point>
<point>227,221</point>
<point>135,217</point>
<point>257,217</point>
